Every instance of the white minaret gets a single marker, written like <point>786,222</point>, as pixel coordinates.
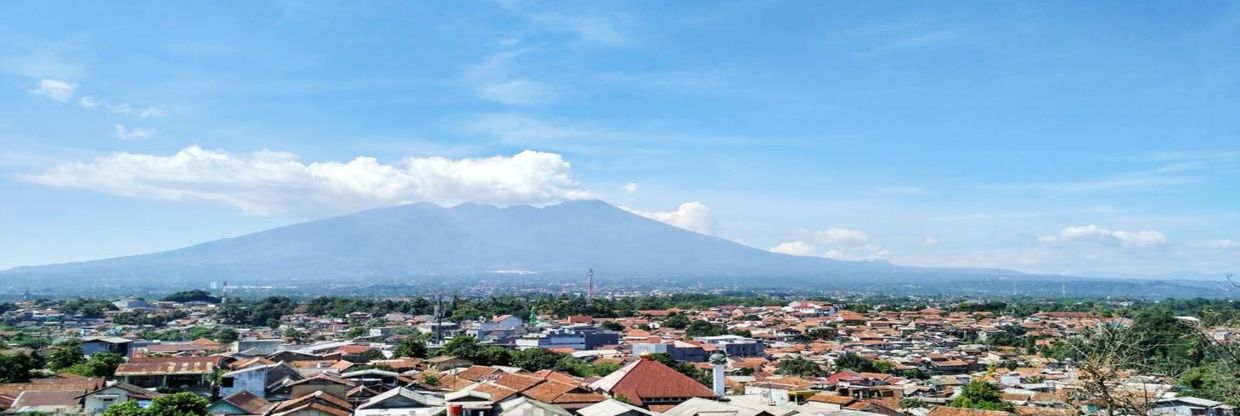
<point>718,364</point>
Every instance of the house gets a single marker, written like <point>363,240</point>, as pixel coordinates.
<point>116,345</point>
<point>256,378</point>
<point>735,345</point>
<point>321,383</point>
<point>469,402</point>
<point>447,362</point>
<point>528,407</point>
<point>500,329</point>
<point>318,403</point>
<point>613,407</point>
<point>1191,406</point>
<point>240,403</point>
<point>97,401</point>
<point>185,373</point>
<point>703,407</point>
<point>956,411</point>
<point>581,337</point>
<point>810,308</point>
<point>257,346</point>
<point>678,350</point>
<point>651,384</point>
<point>46,402</point>
<point>400,401</point>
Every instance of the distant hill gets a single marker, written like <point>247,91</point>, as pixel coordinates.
<point>426,239</point>
<point>433,244</point>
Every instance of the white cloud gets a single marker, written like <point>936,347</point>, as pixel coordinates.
<point>267,182</point>
<point>835,243</point>
<point>795,248</point>
<point>841,237</point>
<point>930,241</point>
<point>54,89</point>
<point>135,111</point>
<point>88,102</point>
<point>128,134</point>
<point>630,187</point>
<point>1095,234</point>
<point>693,216</point>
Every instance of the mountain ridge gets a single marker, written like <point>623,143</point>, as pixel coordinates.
<point>427,239</point>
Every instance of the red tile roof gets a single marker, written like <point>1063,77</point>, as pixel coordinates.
<point>647,379</point>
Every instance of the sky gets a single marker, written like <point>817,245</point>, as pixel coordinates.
<point>1098,138</point>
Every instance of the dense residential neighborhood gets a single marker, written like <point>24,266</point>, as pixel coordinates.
<point>200,354</point>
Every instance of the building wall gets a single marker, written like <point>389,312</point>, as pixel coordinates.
<point>254,382</point>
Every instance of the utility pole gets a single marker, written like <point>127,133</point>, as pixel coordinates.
<point>438,320</point>
<point>590,285</point>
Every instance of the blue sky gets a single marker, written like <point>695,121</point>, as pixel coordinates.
<point>1063,137</point>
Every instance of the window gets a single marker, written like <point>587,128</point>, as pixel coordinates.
<point>226,382</point>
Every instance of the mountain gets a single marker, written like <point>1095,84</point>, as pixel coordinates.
<point>421,247</point>
<point>426,239</point>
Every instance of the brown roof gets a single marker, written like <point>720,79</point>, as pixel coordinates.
<point>1044,411</point>
<point>248,402</point>
<point>830,398</point>
<point>647,378</point>
<point>517,382</point>
<point>477,372</point>
<point>141,366</point>
<point>497,392</point>
<point>81,385</point>
<point>318,397</point>
<point>956,411</point>
<point>47,398</point>
<point>558,393</point>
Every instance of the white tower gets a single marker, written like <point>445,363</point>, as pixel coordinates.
<point>718,364</point>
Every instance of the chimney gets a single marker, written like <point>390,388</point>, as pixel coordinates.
<point>718,364</point>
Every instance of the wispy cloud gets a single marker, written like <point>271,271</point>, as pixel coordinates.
<point>911,34</point>
<point>54,89</point>
<point>494,80</point>
<point>588,22</point>
<point>1170,168</point>
<point>132,134</point>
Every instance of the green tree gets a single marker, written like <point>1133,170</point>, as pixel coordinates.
<point>196,295</point>
<point>700,328</point>
<point>225,335</point>
<point>798,366</point>
<point>911,403</point>
<point>676,321</point>
<point>16,367</point>
<point>978,394</point>
<point>126,408</point>
<point>535,359</point>
<point>612,326</point>
<point>854,362</point>
<point>411,347</point>
<point>101,364</point>
<point>295,336</point>
<point>179,404</point>
<point>65,355</point>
